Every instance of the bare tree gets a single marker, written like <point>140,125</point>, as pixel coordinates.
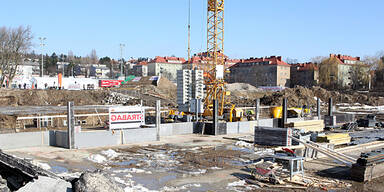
<point>93,57</point>
<point>318,59</point>
<point>328,73</point>
<point>291,61</point>
<point>14,43</point>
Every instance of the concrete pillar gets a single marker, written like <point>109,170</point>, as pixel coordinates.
<point>257,110</point>
<point>318,109</point>
<point>285,114</point>
<point>71,125</point>
<point>215,116</point>
<point>197,107</point>
<point>158,119</point>
<point>330,106</point>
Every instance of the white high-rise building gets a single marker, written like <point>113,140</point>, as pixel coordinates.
<point>190,85</point>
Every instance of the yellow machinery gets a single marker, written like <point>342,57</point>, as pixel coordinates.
<point>214,71</point>
<point>291,112</point>
<point>172,114</point>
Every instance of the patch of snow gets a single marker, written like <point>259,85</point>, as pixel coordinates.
<point>97,158</point>
<point>240,185</point>
<point>198,172</point>
<point>160,156</point>
<point>110,153</point>
<point>132,170</point>
<point>263,152</point>
<point>70,175</point>
<point>215,168</point>
<point>244,144</point>
<point>184,187</point>
<point>41,165</point>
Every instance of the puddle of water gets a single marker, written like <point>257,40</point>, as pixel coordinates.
<point>154,181</point>
<point>58,169</point>
<point>125,163</point>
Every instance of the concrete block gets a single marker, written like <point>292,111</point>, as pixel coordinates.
<point>61,139</point>
<point>265,122</point>
<point>232,127</point>
<point>166,130</point>
<point>139,135</point>
<point>26,139</point>
<point>91,139</point>
<point>244,127</point>
<point>182,128</point>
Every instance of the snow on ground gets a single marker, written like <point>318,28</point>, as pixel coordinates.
<point>264,152</point>
<point>131,186</point>
<point>240,185</point>
<point>198,172</point>
<point>244,144</point>
<point>70,175</point>
<point>41,165</point>
<point>97,158</point>
<point>132,170</point>
<point>184,187</point>
<point>110,153</point>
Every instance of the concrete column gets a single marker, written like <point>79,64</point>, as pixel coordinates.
<point>215,116</point>
<point>330,106</point>
<point>158,119</point>
<point>285,114</point>
<point>257,110</point>
<point>318,109</point>
<point>197,107</point>
<point>71,125</point>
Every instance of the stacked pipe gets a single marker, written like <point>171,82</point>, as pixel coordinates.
<point>370,158</point>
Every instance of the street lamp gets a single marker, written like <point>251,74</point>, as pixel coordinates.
<point>121,58</point>
<point>42,44</point>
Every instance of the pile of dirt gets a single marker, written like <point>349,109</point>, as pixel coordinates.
<point>307,96</point>
<point>52,97</point>
<point>234,87</point>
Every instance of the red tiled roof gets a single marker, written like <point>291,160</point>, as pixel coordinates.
<point>341,58</point>
<point>142,63</point>
<point>273,60</point>
<point>305,66</point>
<point>176,60</point>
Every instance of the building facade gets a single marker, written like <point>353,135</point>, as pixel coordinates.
<point>166,67</point>
<point>343,71</point>
<point>304,74</point>
<point>140,69</point>
<point>265,71</point>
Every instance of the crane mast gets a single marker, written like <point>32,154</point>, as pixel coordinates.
<point>214,72</point>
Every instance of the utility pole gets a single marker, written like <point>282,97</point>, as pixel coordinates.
<point>121,58</point>
<point>189,35</point>
<point>42,44</point>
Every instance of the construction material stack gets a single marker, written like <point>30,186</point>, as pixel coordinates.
<point>273,136</point>
<point>308,126</point>
<point>334,138</point>
<point>369,166</point>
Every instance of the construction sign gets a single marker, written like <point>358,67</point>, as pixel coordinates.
<point>126,117</point>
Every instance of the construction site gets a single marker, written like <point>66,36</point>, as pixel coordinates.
<point>199,133</point>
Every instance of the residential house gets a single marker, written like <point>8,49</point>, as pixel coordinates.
<point>166,67</point>
<point>343,71</point>
<point>304,74</point>
<point>264,71</point>
<point>140,69</point>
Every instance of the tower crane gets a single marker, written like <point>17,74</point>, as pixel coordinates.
<point>214,75</point>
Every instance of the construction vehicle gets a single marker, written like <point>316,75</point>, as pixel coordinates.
<point>173,115</point>
<point>292,112</point>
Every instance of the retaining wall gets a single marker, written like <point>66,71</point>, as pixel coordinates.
<point>90,139</point>
<point>26,139</point>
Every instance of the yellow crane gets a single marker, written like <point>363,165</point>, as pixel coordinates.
<point>214,75</point>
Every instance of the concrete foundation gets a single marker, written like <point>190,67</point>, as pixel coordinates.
<point>90,139</point>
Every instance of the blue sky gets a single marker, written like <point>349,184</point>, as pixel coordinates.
<point>299,29</point>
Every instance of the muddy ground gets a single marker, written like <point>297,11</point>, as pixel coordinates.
<point>186,163</point>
